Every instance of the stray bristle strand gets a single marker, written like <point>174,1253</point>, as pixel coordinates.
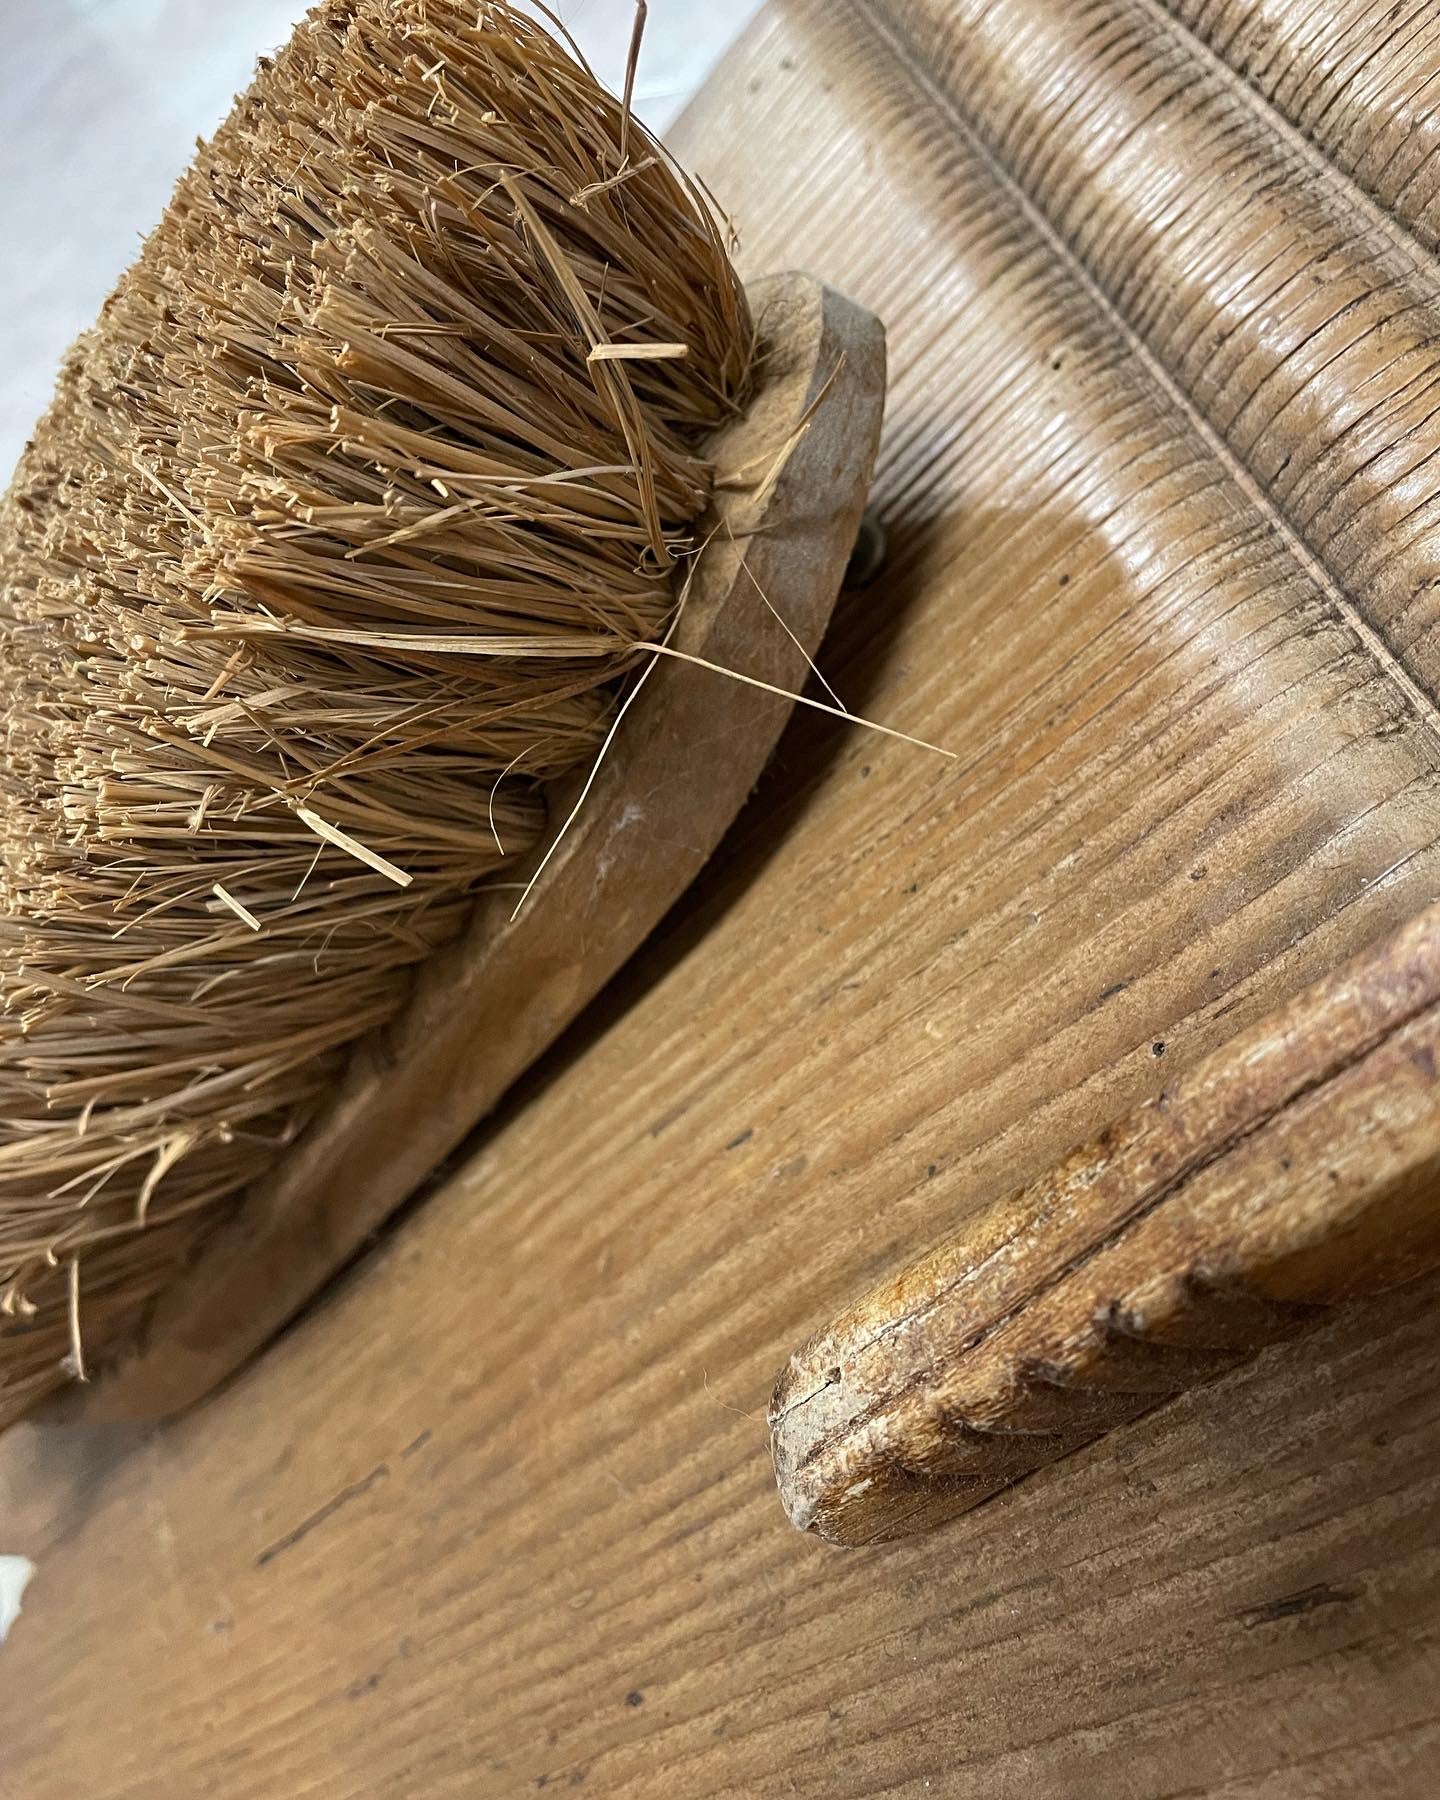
<point>337,519</point>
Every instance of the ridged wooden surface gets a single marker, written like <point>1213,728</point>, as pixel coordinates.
<point>1295,323</point>
<point>1295,1170</point>
<point>1299,319</point>
<point>499,1514</point>
<point>1358,77</point>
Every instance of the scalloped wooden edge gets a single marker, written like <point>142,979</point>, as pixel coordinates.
<point>1295,1169</point>
<point>691,748</point>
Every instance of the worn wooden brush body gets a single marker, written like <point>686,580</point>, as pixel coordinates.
<point>375,489</point>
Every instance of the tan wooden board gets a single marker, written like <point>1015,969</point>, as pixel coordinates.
<point>499,1511</point>
<point>1357,80</point>
<point>1294,1169</point>
<point>436,1559</point>
<point>1293,324</point>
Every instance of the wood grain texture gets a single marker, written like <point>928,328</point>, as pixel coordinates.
<point>485,1008</point>
<point>1294,316</point>
<point>1293,1170</point>
<point>1361,79</point>
<point>500,1510</point>
<point>1005,1348</point>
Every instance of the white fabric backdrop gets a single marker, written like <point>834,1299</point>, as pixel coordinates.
<point>100,105</point>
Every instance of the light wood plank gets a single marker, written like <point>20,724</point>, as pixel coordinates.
<point>1292,1171</point>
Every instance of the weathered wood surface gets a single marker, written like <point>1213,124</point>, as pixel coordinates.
<point>1294,1169</point>
<point>1356,78</point>
<point>1296,326</point>
<point>782,526</point>
<point>484,1546</point>
<point>485,1517</point>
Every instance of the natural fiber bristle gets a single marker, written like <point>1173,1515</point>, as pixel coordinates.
<point>337,519</point>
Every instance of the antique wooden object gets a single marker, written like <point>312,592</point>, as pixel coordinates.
<point>1292,1170</point>
<point>1288,318</point>
<point>793,474</point>
<point>498,1515</point>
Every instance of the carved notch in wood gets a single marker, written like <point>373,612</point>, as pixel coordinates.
<point>1293,1170</point>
